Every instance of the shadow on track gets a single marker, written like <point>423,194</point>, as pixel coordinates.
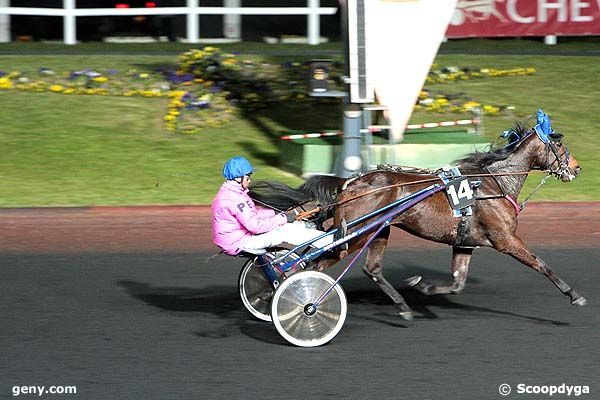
<point>421,304</point>
<point>219,301</point>
<point>223,302</point>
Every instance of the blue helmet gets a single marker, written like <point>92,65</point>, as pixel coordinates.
<point>236,168</point>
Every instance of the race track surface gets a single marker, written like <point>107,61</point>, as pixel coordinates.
<point>145,321</point>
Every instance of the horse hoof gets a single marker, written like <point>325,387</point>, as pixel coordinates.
<point>406,315</point>
<point>413,280</point>
<point>579,302</point>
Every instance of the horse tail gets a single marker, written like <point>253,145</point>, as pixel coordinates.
<point>323,188</point>
<point>277,195</point>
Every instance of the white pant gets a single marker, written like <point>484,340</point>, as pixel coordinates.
<point>296,233</point>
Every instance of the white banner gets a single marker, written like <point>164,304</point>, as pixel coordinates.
<point>404,38</point>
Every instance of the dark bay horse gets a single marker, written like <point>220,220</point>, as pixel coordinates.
<point>493,223</point>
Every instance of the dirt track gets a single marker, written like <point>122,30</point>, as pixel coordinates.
<point>187,228</point>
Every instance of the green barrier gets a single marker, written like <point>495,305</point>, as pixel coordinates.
<point>420,148</point>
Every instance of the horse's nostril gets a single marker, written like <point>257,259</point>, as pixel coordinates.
<point>577,170</point>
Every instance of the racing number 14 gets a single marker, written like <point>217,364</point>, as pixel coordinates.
<point>460,193</point>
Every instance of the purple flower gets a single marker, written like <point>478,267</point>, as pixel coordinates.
<point>200,104</point>
<point>187,96</point>
<point>2,73</point>
<point>75,74</point>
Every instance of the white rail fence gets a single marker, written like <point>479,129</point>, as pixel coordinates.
<point>69,13</point>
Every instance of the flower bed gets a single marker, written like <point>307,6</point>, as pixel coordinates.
<point>209,87</point>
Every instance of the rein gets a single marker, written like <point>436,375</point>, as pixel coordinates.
<point>309,213</point>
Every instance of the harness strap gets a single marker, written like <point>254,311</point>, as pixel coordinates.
<point>318,209</point>
<point>522,206</point>
<point>461,230</point>
<point>514,203</point>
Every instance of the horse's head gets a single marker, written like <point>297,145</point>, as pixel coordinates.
<point>552,155</point>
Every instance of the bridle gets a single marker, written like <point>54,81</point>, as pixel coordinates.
<point>560,165</point>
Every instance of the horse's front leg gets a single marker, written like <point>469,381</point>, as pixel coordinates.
<point>373,268</point>
<point>461,257</point>
<point>515,247</point>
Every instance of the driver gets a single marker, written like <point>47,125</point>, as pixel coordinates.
<point>238,225</point>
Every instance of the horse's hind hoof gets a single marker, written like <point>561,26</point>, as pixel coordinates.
<point>406,315</point>
<point>579,302</point>
<point>413,280</point>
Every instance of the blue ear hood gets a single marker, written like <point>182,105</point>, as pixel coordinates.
<point>543,127</point>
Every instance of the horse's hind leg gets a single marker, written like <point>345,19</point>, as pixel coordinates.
<point>461,257</point>
<point>373,268</point>
<point>515,247</point>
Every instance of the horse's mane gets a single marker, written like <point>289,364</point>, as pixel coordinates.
<point>480,160</point>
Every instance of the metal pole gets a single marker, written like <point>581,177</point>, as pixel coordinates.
<point>350,161</point>
<point>313,22</point>
<point>366,131</point>
<point>351,157</point>
<point>193,24</point>
<point>232,23</point>
<point>69,27</point>
<point>4,23</point>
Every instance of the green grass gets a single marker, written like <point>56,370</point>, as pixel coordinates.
<point>91,150</point>
<point>111,151</point>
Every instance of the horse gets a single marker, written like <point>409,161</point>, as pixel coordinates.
<point>501,174</point>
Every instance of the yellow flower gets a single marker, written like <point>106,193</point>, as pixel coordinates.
<point>169,118</point>
<point>100,79</point>
<point>56,88</point>
<point>144,75</point>
<point>490,109</point>
<point>177,93</point>
<point>6,83</point>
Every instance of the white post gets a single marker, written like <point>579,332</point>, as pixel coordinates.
<point>232,23</point>
<point>193,24</point>
<point>550,40</point>
<point>69,27</point>
<point>313,21</point>
<point>4,23</point>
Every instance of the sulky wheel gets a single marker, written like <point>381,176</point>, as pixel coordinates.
<point>255,290</point>
<point>294,317</point>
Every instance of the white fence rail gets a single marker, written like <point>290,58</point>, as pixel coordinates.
<point>69,12</point>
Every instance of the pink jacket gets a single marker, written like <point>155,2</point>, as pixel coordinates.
<point>235,217</point>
